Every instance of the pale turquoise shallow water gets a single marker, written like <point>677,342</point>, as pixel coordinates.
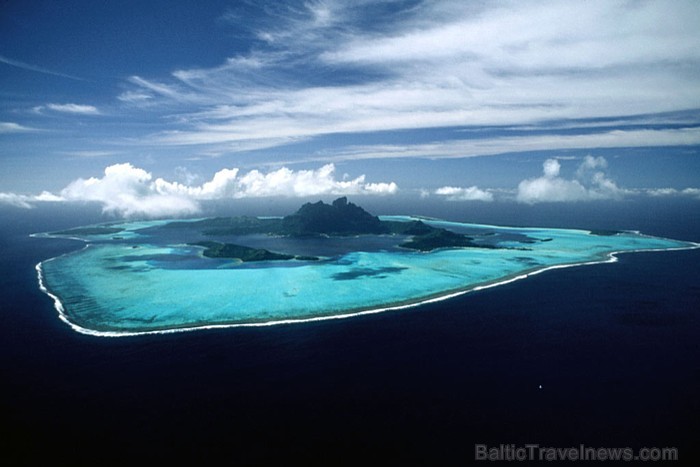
<point>133,283</point>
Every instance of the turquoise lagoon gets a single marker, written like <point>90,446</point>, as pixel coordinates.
<point>146,279</point>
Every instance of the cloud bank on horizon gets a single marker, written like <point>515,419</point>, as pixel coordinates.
<point>131,192</point>
<point>270,84</point>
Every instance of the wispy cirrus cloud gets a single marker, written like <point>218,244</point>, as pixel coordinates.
<point>666,192</point>
<point>35,68</point>
<point>70,108</point>
<point>134,97</point>
<point>12,127</point>
<point>152,89</point>
<point>486,146</point>
<point>323,68</point>
<point>89,153</point>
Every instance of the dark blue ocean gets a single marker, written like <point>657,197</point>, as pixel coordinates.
<point>614,347</point>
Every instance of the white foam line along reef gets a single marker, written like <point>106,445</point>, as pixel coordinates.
<point>89,287</point>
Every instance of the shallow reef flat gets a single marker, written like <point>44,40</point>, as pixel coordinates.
<point>133,278</point>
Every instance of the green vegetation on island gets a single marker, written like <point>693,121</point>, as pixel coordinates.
<point>442,238</point>
<point>605,233</point>
<point>338,219</point>
<point>243,225</point>
<point>244,253</point>
<point>97,230</point>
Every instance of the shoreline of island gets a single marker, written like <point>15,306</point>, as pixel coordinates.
<point>609,257</point>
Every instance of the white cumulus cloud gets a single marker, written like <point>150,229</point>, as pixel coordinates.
<point>229,183</point>
<point>471,193</point>
<point>130,191</point>
<point>20,201</point>
<point>381,188</point>
<point>27,201</point>
<point>591,183</point>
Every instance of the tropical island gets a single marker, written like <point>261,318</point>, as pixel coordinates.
<point>338,219</point>
<point>322,261</point>
<point>244,253</point>
<point>96,230</point>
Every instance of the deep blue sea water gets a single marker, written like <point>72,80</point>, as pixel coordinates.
<point>615,348</point>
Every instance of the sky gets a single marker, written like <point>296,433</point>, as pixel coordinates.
<point>151,109</point>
